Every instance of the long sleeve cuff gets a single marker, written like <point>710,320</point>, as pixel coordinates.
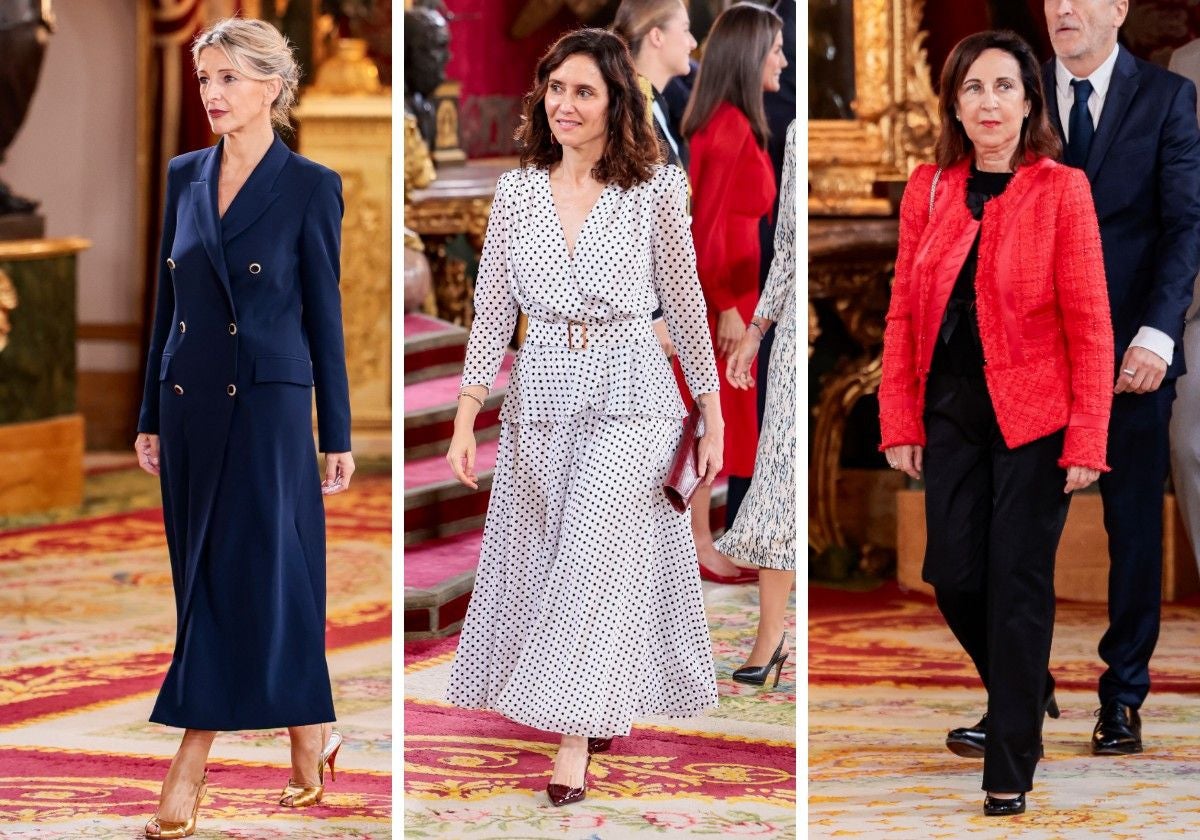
<point>1156,341</point>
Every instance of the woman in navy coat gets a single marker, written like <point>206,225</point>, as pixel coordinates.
<point>248,321</point>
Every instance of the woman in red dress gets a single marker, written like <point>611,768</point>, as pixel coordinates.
<point>733,187</point>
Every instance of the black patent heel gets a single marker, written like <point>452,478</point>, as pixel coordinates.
<point>757,674</point>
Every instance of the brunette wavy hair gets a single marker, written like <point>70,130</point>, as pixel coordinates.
<point>632,148</point>
<point>1038,138</point>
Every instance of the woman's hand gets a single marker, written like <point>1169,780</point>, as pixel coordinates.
<point>664,338</point>
<point>461,456</point>
<point>1080,477</point>
<point>905,458</point>
<point>737,369</point>
<point>339,466</point>
<point>146,447</point>
<point>711,454</point>
<point>730,329</point>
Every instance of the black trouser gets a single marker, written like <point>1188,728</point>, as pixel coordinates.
<point>993,517</point>
<point>1139,454</point>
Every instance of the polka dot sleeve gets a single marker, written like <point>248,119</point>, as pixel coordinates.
<point>678,286</point>
<point>495,304</point>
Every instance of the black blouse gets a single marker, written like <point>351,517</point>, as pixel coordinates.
<point>959,350</point>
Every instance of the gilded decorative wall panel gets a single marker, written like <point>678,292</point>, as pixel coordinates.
<point>353,135</point>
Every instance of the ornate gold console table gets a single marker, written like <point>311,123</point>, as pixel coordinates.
<point>457,203</point>
<point>850,269</point>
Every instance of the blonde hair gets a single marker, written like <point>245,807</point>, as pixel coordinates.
<point>260,52</point>
<point>635,19</point>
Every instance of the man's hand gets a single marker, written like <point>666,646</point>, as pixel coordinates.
<point>1141,372</point>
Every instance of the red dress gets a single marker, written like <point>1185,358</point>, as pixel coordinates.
<point>733,187</point>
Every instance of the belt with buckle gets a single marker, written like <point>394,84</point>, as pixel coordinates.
<point>580,335</point>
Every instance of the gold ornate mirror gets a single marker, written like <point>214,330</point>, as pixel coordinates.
<point>873,113</point>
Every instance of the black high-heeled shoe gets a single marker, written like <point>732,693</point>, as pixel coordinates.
<point>757,674</point>
<point>565,794</point>
<point>994,806</point>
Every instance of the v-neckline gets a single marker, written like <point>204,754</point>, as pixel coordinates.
<point>562,230</point>
<point>249,177</point>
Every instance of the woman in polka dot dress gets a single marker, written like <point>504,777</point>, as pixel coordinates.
<point>587,612</point>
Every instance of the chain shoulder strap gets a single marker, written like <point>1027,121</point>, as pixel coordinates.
<point>933,189</point>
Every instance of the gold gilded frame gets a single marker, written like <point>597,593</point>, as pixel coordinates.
<point>895,114</point>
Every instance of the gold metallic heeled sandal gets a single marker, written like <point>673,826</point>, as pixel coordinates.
<point>169,830</point>
<point>299,796</point>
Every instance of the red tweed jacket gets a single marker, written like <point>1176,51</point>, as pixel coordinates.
<point>1041,300</point>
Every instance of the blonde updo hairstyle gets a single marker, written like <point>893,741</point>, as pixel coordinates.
<point>635,19</point>
<point>260,52</point>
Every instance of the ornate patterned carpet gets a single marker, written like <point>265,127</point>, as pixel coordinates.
<point>477,776</point>
<point>887,680</point>
<point>86,629</point>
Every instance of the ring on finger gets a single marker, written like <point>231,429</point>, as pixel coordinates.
<point>1129,373</point>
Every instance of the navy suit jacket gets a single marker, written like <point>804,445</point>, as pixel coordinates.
<point>1144,168</point>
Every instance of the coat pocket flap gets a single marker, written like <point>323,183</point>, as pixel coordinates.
<point>164,366</point>
<point>1040,323</point>
<point>283,369</point>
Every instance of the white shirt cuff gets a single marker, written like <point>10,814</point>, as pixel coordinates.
<point>1156,341</point>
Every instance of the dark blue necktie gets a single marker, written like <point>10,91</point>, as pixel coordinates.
<point>1080,125</point>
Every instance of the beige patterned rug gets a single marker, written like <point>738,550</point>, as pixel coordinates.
<point>86,630</point>
<point>888,680</point>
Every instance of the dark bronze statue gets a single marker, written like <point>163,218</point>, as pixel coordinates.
<point>426,52</point>
<point>25,27</point>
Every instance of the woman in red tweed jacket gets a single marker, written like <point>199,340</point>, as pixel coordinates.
<point>997,383</point>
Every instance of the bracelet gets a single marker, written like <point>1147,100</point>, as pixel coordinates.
<point>758,327</point>
<point>466,393</point>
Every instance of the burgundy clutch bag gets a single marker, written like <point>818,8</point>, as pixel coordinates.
<point>683,477</point>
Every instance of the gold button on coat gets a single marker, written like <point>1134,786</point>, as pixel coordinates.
<point>231,390</point>
<point>182,327</point>
<point>170,263</point>
<point>178,389</point>
<point>255,268</point>
<point>233,329</point>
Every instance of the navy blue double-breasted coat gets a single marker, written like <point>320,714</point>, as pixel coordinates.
<point>248,320</point>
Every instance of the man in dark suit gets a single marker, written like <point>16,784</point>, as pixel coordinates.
<point>1132,127</point>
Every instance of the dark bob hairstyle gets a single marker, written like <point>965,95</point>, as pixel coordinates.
<point>632,148</point>
<point>1037,138</point>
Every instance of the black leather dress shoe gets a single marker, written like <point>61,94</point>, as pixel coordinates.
<point>995,807</point>
<point>1118,730</point>
<point>969,741</point>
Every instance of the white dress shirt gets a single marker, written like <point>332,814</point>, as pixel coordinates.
<point>1156,341</point>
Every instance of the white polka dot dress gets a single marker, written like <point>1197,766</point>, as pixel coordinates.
<point>587,612</point>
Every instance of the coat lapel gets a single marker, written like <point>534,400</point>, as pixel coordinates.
<point>1121,91</point>
<point>1050,93</point>
<point>204,206</point>
<point>257,194</point>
